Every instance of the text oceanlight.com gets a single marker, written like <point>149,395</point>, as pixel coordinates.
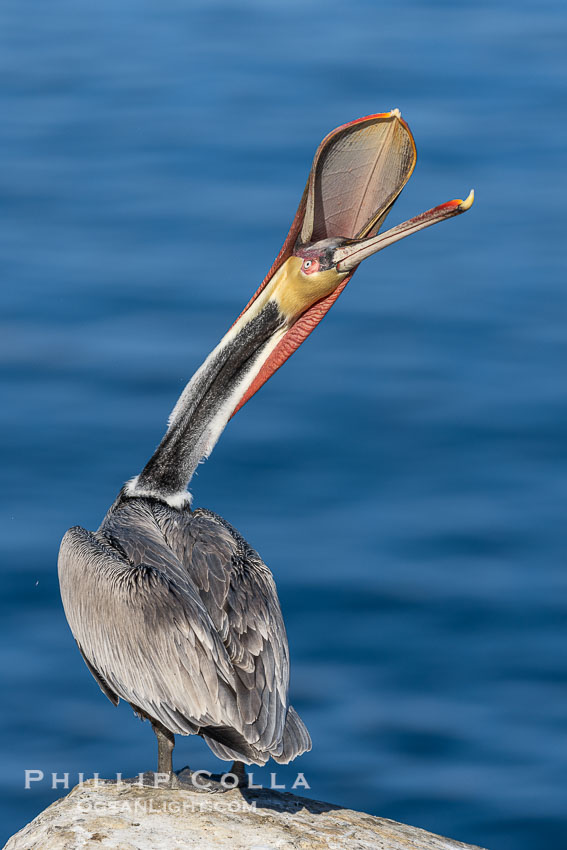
<point>152,806</point>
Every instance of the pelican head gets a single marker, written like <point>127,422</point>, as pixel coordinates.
<point>357,174</point>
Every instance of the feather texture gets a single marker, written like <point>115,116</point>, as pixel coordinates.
<point>176,614</point>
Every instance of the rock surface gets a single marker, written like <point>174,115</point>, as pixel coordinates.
<point>130,817</point>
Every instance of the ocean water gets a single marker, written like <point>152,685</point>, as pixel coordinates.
<point>403,475</point>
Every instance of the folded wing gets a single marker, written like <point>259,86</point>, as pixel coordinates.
<point>174,613</point>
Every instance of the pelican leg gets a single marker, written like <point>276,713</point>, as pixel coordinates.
<point>239,769</point>
<point>165,744</point>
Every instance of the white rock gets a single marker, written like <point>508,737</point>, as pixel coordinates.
<point>129,817</point>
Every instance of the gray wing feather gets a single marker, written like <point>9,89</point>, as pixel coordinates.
<point>151,643</point>
<point>176,614</point>
<point>239,592</point>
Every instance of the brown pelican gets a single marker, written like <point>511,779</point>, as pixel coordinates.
<point>171,609</point>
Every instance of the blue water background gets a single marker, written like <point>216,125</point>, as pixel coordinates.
<point>403,475</point>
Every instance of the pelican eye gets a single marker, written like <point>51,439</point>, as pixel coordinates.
<point>310,266</point>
